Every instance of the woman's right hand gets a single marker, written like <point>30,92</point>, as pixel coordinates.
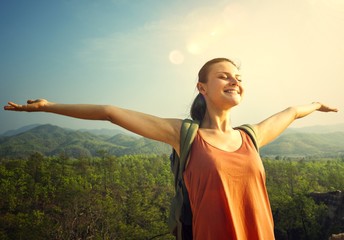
<point>31,106</point>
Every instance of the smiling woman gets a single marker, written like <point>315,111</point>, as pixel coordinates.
<point>225,178</point>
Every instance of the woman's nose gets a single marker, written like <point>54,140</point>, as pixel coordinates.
<point>234,81</point>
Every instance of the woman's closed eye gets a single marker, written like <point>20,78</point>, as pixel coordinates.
<point>227,77</point>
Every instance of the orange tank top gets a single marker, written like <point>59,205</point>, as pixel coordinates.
<point>227,192</point>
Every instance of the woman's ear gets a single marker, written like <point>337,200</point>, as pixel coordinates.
<point>201,88</point>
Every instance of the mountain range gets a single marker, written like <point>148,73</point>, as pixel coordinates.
<point>53,140</point>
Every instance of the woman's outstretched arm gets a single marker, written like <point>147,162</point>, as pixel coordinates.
<point>149,126</point>
<point>272,127</point>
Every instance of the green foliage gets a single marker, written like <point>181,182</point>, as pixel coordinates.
<point>90,198</point>
<point>296,215</point>
<point>128,197</point>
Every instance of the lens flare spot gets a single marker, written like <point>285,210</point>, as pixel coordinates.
<point>176,57</point>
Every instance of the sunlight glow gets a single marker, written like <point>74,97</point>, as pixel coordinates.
<point>176,57</point>
<point>194,48</point>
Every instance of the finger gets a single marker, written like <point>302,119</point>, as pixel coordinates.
<point>330,109</point>
<point>11,103</point>
<point>13,106</point>
<point>18,106</point>
<point>8,107</point>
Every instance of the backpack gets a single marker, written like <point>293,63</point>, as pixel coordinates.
<point>180,219</point>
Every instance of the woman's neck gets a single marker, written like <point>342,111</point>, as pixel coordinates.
<point>220,121</point>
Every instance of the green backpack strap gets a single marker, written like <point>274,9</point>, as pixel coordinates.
<point>249,130</point>
<point>187,135</point>
<point>180,213</point>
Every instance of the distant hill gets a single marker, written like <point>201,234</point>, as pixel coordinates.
<point>306,144</point>
<point>105,131</point>
<point>19,130</point>
<point>102,131</point>
<point>52,140</point>
<point>318,129</point>
<point>319,140</point>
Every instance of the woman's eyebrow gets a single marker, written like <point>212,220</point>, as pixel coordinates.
<point>228,73</point>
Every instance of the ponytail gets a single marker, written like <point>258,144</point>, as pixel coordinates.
<point>198,108</point>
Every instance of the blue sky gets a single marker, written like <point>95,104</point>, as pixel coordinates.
<point>145,55</point>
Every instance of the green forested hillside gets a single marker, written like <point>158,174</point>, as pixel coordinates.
<point>128,197</point>
<point>306,144</point>
<point>52,140</point>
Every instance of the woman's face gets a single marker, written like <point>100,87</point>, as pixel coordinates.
<point>223,88</point>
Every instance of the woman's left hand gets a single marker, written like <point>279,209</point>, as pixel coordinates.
<point>325,108</point>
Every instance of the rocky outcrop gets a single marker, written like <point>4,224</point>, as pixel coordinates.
<point>333,200</point>
<point>339,236</point>
<point>335,203</point>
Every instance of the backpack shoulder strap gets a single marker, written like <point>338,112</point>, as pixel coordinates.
<point>188,132</point>
<point>250,131</point>
<point>180,211</point>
